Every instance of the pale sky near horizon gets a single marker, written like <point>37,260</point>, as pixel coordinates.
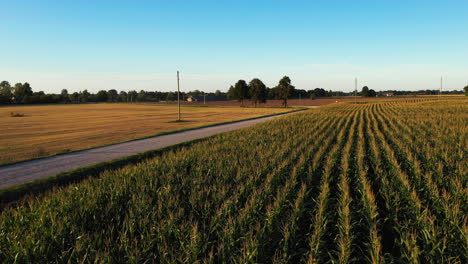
<point>134,45</point>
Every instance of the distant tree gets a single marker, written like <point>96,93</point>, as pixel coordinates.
<point>4,99</point>
<point>29,99</point>
<point>5,84</point>
<point>195,93</point>
<point>64,95</point>
<point>123,97</point>
<point>365,91</point>
<point>241,91</point>
<point>231,93</point>
<point>5,89</point>
<point>45,98</point>
<point>84,96</point>
<point>112,95</point>
<point>372,93</point>
<point>153,96</point>
<point>22,90</point>
<point>56,98</point>
<point>257,91</point>
<point>271,93</point>
<point>285,89</point>
<point>170,96</point>
<point>141,96</point>
<point>466,90</point>
<point>27,89</point>
<point>132,96</point>
<point>18,89</point>
<point>319,92</point>
<point>74,97</point>
<point>101,96</point>
<point>218,93</point>
<point>299,93</point>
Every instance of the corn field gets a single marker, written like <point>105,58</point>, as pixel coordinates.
<point>367,182</point>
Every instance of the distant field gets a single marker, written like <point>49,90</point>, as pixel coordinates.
<point>48,130</point>
<point>314,102</point>
<point>372,182</point>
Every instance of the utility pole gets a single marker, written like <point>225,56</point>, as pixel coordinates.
<point>355,90</point>
<point>440,90</point>
<point>204,98</point>
<point>178,97</point>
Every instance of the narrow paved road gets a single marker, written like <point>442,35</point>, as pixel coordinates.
<point>36,169</point>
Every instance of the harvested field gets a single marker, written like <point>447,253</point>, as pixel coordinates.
<point>41,131</point>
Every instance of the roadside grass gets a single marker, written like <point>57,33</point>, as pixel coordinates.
<point>9,196</point>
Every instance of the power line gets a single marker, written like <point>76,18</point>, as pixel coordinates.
<point>355,90</point>
<point>441,83</point>
<point>178,97</point>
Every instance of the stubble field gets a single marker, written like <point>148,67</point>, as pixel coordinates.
<point>52,129</point>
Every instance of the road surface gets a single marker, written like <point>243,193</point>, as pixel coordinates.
<point>26,171</point>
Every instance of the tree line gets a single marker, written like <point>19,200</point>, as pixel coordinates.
<point>255,91</point>
<point>22,93</point>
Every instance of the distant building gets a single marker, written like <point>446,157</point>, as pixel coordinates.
<point>389,94</point>
<point>208,98</point>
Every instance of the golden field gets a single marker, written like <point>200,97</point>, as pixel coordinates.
<point>52,129</point>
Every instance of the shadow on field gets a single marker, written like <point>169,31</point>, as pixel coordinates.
<point>179,121</point>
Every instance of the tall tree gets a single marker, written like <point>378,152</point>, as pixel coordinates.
<point>365,91</point>
<point>241,91</point>
<point>466,90</point>
<point>84,96</point>
<point>112,95</point>
<point>284,90</point>
<point>22,90</point>
<point>64,95</point>
<point>18,89</point>
<point>101,96</point>
<point>5,84</point>
<point>257,91</point>
<point>123,96</point>
<point>5,88</point>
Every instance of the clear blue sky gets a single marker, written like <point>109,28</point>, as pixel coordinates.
<point>129,45</point>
